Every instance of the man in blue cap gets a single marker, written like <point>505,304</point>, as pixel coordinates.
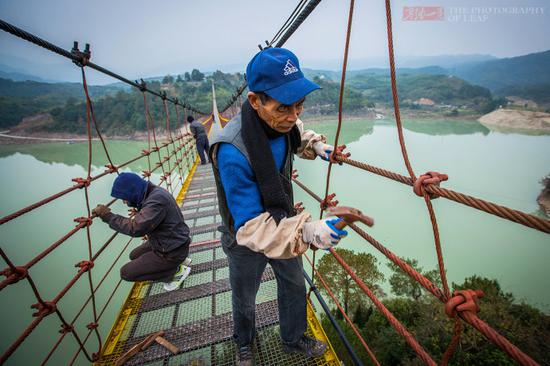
<point>252,162</point>
<point>163,256</point>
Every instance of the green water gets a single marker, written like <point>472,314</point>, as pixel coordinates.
<point>31,173</point>
<point>501,167</point>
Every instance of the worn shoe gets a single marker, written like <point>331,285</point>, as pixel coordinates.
<point>244,356</point>
<point>310,347</point>
<point>179,277</point>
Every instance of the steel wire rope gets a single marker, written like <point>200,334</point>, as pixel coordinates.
<point>20,33</point>
<point>152,127</point>
<point>345,315</point>
<point>87,195</point>
<point>469,316</point>
<point>340,108</point>
<point>46,308</point>
<point>178,137</point>
<point>292,17</point>
<point>298,20</point>
<point>169,140</point>
<point>504,212</point>
<point>64,333</point>
<point>90,104</point>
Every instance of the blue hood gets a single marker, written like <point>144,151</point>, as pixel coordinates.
<point>130,187</point>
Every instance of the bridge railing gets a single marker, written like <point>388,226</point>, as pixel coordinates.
<point>170,159</point>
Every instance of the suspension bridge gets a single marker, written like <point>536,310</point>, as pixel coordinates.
<point>193,325</point>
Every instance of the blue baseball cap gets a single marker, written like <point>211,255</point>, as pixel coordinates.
<point>276,72</point>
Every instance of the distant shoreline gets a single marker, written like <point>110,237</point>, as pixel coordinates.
<point>20,137</point>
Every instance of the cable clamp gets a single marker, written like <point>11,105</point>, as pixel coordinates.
<point>83,220</point>
<point>85,266</point>
<point>111,168</point>
<point>43,309</point>
<point>82,58</point>
<point>329,201</point>
<point>14,275</point>
<point>83,182</point>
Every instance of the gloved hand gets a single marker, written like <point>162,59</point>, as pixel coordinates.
<point>101,210</point>
<point>323,150</point>
<point>323,233</point>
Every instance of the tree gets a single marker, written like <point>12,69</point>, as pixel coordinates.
<point>403,285</point>
<point>179,79</point>
<point>196,75</point>
<point>362,314</point>
<point>168,79</point>
<point>187,76</point>
<point>341,283</point>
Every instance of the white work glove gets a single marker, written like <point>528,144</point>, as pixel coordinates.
<point>323,150</point>
<point>323,233</point>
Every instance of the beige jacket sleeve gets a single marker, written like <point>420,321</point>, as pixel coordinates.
<point>309,138</point>
<point>283,241</point>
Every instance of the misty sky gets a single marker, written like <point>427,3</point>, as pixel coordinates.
<point>138,38</point>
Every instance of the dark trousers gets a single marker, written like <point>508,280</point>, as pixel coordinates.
<point>245,272</point>
<point>148,265</point>
<point>202,147</point>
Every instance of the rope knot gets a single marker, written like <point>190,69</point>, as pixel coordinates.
<point>145,152</point>
<point>329,201</point>
<point>295,174</point>
<point>167,174</point>
<point>145,173</point>
<point>66,328</point>
<point>299,207</point>
<point>85,266</point>
<point>83,220</point>
<point>15,274</point>
<point>83,182</point>
<point>463,300</point>
<point>155,149</point>
<point>43,309</point>
<point>111,168</point>
<point>428,178</point>
<point>91,326</point>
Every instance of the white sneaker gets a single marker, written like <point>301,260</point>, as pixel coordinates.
<point>179,277</point>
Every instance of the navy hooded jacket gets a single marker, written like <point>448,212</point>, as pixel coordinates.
<point>158,216</point>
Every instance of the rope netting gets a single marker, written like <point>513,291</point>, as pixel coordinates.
<point>178,149</point>
<point>460,305</point>
<point>175,150</point>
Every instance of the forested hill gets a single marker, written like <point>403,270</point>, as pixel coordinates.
<point>508,72</point>
<point>120,110</point>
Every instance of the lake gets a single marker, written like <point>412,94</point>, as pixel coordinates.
<point>505,168</point>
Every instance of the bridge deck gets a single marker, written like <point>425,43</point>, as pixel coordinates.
<point>197,317</point>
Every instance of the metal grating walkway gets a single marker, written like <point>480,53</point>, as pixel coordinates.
<point>197,317</point>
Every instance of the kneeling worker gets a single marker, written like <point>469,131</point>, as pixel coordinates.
<point>163,256</point>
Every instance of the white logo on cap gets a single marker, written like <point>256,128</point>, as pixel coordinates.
<point>290,68</point>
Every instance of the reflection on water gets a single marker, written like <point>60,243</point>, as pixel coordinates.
<point>77,153</point>
<point>438,127</point>
<point>503,168</point>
